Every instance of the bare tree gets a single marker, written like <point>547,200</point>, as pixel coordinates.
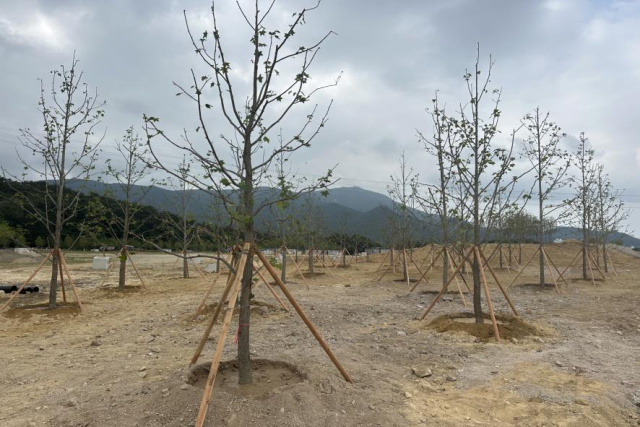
<point>312,227</point>
<point>440,197</point>
<point>402,193</point>
<point>66,151</point>
<point>344,230</point>
<point>550,164</point>
<point>133,155</point>
<point>582,207</point>
<point>481,167</point>
<point>273,93</point>
<point>181,227</point>
<point>610,213</point>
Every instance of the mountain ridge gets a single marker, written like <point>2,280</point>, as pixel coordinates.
<point>360,211</point>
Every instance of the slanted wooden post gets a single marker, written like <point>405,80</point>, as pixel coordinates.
<point>26,282</point>
<point>487,295</point>
<point>522,269</point>
<point>303,316</point>
<point>206,295</point>
<point>216,313</point>
<point>73,287</point>
<point>64,294</point>
<point>133,264</point>
<point>217,355</point>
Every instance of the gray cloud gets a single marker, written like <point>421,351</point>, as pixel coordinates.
<point>578,59</point>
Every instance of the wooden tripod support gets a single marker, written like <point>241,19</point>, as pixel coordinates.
<point>550,264</point>
<point>424,275</point>
<point>293,260</point>
<point>479,258</point>
<point>63,267</point>
<point>232,290</point>
<point>589,260</point>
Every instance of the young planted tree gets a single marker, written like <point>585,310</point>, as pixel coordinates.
<point>181,228</point>
<point>233,160</point>
<point>402,193</point>
<point>438,197</point>
<point>66,150</point>
<point>582,207</point>
<point>130,193</point>
<point>550,164</point>
<point>344,231</point>
<point>284,182</point>
<point>481,167</point>
<point>312,227</point>
<point>610,213</point>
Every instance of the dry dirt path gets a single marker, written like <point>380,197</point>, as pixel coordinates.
<point>122,362</point>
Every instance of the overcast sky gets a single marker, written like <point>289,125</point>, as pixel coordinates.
<point>578,59</point>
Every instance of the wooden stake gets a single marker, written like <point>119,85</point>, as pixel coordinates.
<point>405,265</point>
<point>606,249</point>
<point>73,287</point>
<point>572,261</point>
<point>64,294</point>
<point>504,292</point>
<point>554,266</point>
<point>169,269</point>
<point>595,264</point>
<point>304,318</point>
<point>593,279</point>
<point>133,264</point>
<point>490,256</point>
<point>206,295</point>
<point>217,355</point>
<point>193,261</point>
<point>216,313</point>
<point>106,276</point>
<point>433,261</point>
<point>460,273</point>
<point>443,290</point>
<point>522,269</point>
<point>464,300</point>
<point>487,296</point>
<point>387,269</point>
<point>298,269</point>
<point>26,282</point>
<point>273,292</point>
<point>553,276</point>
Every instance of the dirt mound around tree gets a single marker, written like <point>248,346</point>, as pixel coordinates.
<point>509,327</point>
<point>63,309</point>
<point>267,376</point>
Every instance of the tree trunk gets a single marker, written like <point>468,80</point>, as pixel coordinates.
<point>283,273</point>
<point>123,269</point>
<point>445,265</point>
<point>53,283</point>
<point>585,247</point>
<point>520,253</point>
<point>122,275</point>
<point>391,260</point>
<point>605,261</point>
<point>185,264</point>
<point>244,319</point>
<point>311,261</point>
<point>405,266</point>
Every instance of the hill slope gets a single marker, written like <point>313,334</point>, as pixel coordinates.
<point>366,211</point>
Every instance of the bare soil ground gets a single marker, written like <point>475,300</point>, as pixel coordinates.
<point>123,360</point>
